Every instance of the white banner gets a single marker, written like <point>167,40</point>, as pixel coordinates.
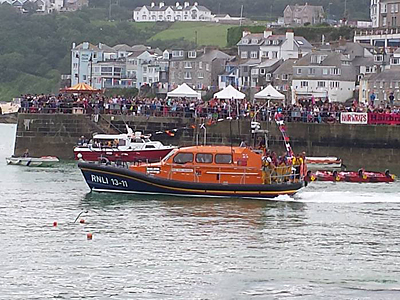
<point>353,118</point>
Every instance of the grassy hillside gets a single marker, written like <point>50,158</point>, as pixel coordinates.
<point>207,33</point>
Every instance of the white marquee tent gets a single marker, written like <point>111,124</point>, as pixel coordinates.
<point>182,91</point>
<point>269,93</point>
<point>229,93</point>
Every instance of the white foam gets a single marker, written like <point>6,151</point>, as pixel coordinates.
<point>346,197</point>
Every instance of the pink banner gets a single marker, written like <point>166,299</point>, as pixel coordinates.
<point>382,118</point>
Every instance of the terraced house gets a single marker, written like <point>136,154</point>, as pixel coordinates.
<point>167,13</point>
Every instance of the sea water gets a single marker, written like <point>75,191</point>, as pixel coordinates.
<point>329,241</point>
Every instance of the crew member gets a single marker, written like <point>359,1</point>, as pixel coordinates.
<point>26,153</point>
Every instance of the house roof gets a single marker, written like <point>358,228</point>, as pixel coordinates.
<point>90,47</point>
<point>107,48</point>
<point>216,54</point>
<point>123,47</point>
<point>165,7</point>
<point>286,67</point>
<point>387,75</point>
<point>363,61</point>
<point>250,37</point>
<point>268,63</point>
<point>302,7</point>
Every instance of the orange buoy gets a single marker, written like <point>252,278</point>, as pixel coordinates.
<point>89,236</point>
<point>55,224</point>
<point>82,221</point>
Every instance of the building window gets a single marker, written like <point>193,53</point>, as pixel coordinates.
<point>245,41</point>
<point>200,75</point>
<point>298,71</point>
<point>207,67</point>
<point>311,71</point>
<point>262,71</point>
<point>335,71</point>
<point>274,54</point>
<point>188,65</point>
<point>395,61</point>
<point>200,65</point>
<point>254,71</point>
<point>304,84</point>
<point>253,54</point>
<point>243,54</point>
<point>192,54</point>
<point>384,21</point>
<point>378,58</point>
<point>264,54</point>
<point>321,84</point>
<point>334,84</point>
<point>177,53</point>
<point>285,77</point>
<point>188,75</point>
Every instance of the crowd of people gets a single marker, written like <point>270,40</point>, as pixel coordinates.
<point>305,110</point>
<point>284,168</point>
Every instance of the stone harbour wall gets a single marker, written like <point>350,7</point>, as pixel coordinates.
<point>370,146</point>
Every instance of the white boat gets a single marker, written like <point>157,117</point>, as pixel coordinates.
<point>44,161</point>
<point>324,163</point>
<point>130,147</point>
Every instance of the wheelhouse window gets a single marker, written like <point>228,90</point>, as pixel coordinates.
<point>183,158</point>
<point>204,158</point>
<point>223,158</point>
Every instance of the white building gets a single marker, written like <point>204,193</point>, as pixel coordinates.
<point>284,46</point>
<point>324,75</point>
<point>162,12</point>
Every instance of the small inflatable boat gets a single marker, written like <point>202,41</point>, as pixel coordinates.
<point>351,176</point>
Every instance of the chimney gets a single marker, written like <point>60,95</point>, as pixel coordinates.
<point>161,4</point>
<point>177,4</point>
<point>342,41</point>
<point>290,39</point>
<point>152,4</point>
<point>186,4</point>
<point>195,4</point>
<point>100,46</point>
<point>73,45</point>
<point>85,45</point>
<point>245,32</point>
<point>267,33</point>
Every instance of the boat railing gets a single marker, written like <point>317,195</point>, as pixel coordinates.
<point>280,174</point>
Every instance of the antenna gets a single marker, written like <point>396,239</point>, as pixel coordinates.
<point>241,15</point>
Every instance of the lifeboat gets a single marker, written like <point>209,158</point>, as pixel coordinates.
<point>351,176</point>
<point>203,171</point>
